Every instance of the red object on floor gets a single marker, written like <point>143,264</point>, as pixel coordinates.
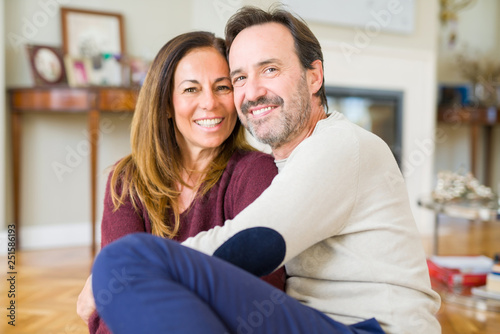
<point>453,277</point>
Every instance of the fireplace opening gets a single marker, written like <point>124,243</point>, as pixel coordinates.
<point>378,111</point>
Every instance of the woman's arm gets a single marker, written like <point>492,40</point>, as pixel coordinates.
<point>125,220</point>
<point>115,224</point>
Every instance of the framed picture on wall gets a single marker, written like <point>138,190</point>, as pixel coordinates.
<point>47,66</point>
<point>87,33</point>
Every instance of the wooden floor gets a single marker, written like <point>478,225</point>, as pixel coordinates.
<point>48,283</point>
<point>462,237</point>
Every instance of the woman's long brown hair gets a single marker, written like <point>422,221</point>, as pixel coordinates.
<point>153,169</point>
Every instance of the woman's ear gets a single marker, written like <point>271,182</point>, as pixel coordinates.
<point>315,76</point>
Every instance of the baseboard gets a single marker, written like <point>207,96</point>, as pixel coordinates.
<point>50,236</point>
<point>3,242</point>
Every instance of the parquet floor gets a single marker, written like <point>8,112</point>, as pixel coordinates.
<point>47,286</point>
<point>49,281</point>
<point>462,237</point>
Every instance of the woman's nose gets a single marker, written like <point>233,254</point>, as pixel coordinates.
<point>208,100</point>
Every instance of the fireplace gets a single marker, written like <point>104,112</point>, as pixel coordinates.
<point>378,111</point>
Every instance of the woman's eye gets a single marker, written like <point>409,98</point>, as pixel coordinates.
<point>223,88</point>
<point>190,90</point>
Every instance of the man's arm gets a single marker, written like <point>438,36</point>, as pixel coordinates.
<point>309,201</point>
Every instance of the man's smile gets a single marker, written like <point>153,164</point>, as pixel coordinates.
<point>261,111</point>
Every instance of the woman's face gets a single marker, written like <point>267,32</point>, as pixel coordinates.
<point>203,101</point>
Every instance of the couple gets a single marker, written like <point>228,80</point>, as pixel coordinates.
<point>347,238</point>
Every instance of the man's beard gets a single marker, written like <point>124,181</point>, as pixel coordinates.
<point>283,127</point>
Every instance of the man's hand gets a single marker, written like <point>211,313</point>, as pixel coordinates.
<point>85,305</point>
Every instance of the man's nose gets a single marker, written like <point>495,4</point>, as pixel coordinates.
<point>254,90</point>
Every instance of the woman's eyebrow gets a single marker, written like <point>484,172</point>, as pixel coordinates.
<point>222,79</point>
<point>194,81</point>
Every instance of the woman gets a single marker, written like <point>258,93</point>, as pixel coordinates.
<point>190,168</point>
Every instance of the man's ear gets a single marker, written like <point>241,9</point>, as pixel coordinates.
<point>315,76</point>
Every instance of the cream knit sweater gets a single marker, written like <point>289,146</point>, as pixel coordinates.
<point>352,247</point>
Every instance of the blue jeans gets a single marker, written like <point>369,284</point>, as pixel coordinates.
<point>146,284</point>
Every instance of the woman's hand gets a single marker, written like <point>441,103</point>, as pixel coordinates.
<point>85,305</point>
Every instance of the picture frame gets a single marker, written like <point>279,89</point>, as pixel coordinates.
<point>47,65</point>
<point>138,70</point>
<point>79,71</point>
<point>88,33</point>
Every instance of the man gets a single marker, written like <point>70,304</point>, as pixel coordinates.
<point>346,236</point>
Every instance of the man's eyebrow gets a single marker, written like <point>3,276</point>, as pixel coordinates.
<point>268,61</point>
<point>233,73</point>
<point>257,65</point>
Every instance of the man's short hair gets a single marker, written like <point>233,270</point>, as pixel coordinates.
<point>307,46</point>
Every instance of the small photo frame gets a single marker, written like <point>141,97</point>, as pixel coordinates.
<point>79,71</point>
<point>47,65</point>
<point>449,95</point>
<point>138,71</point>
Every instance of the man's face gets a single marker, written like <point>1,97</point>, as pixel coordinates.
<point>271,92</point>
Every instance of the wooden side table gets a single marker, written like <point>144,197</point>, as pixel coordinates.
<point>474,211</point>
<point>92,100</point>
<point>476,118</point>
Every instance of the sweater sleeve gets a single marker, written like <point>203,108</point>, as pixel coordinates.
<point>251,177</point>
<point>116,224</point>
<point>295,212</point>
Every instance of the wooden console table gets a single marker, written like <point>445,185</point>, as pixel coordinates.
<point>92,101</point>
<point>476,118</point>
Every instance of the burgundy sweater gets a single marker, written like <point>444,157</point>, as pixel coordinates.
<point>246,176</point>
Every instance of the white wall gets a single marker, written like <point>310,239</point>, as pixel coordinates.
<point>47,201</point>
<point>148,25</point>
<point>3,159</point>
<point>478,30</point>
<point>212,15</point>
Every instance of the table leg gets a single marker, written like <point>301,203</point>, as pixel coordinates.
<point>436,234</point>
<point>474,135</point>
<point>94,138</point>
<point>488,155</point>
<point>16,172</point>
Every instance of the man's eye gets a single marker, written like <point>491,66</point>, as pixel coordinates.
<point>270,70</point>
<point>239,81</point>
<point>240,78</point>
